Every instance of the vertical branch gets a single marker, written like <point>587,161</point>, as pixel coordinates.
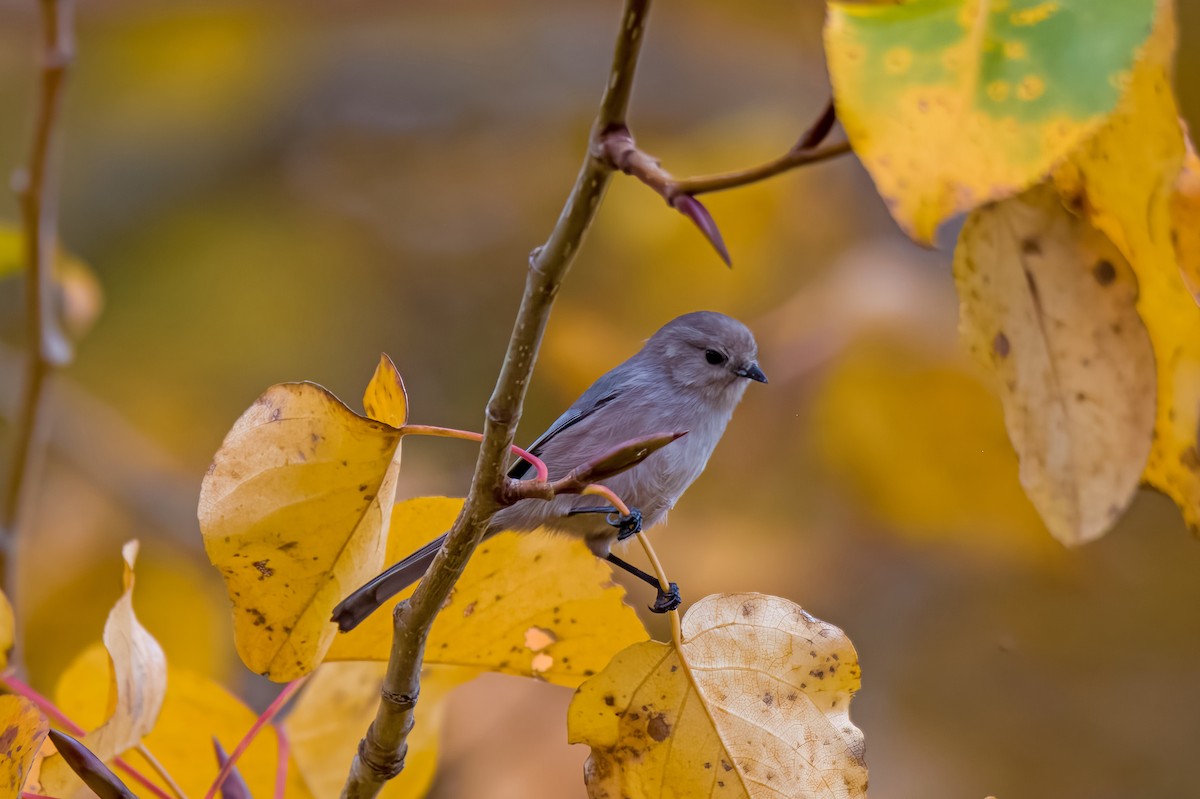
<point>35,187</point>
<point>382,751</point>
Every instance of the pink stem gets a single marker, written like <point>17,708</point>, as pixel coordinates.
<point>543,473</point>
<point>273,710</point>
<point>13,684</point>
<point>281,768</point>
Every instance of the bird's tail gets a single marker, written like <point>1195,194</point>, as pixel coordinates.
<point>366,600</point>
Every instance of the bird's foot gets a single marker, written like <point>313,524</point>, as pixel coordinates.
<point>628,525</point>
<point>667,600</point>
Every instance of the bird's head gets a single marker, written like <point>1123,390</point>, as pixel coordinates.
<point>708,354</point>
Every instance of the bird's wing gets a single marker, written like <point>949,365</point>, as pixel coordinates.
<point>600,394</point>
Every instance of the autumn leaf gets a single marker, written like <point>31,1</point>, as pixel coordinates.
<point>336,707</point>
<point>292,511</point>
<point>529,604</point>
<point>754,703</point>
<point>1048,306</point>
<point>952,103</point>
<point>135,687</point>
<point>22,729</point>
<point>195,710</point>
<point>1123,180</point>
<point>1185,220</point>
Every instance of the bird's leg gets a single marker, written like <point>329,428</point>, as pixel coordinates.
<point>666,601</point>
<point>628,525</point>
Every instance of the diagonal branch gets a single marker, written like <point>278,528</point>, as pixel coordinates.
<point>35,187</point>
<point>382,751</point>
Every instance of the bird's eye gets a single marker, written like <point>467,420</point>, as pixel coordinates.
<point>714,357</point>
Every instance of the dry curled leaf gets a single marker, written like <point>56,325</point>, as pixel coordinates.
<point>22,729</point>
<point>136,686</point>
<point>755,703</point>
<point>1049,307</point>
<point>530,604</point>
<point>293,513</point>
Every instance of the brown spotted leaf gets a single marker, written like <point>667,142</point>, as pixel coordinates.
<point>1049,306</point>
<point>22,728</point>
<point>293,513</point>
<point>754,703</point>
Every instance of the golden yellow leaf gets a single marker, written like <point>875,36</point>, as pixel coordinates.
<point>136,687</point>
<point>1185,220</point>
<point>921,442</point>
<point>292,511</point>
<point>22,729</point>
<point>536,605</point>
<point>385,399</point>
<point>952,103</point>
<point>1049,307</point>
<point>334,710</point>
<point>755,703</point>
<point>8,630</point>
<point>1123,180</point>
<point>195,710</point>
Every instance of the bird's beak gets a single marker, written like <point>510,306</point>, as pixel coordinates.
<point>752,372</point>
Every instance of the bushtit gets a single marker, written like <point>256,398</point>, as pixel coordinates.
<point>689,376</point>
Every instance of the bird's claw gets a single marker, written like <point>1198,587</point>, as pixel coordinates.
<point>667,600</point>
<point>628,525</point>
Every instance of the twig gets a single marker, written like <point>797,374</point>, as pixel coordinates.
<point>382,751</point>
<point>271,712</point>
<point>665,585</point>
<point>160,770</point>
<point>284,751</point>
<point>48,347</point>
<point>445,432</point>
<point>621,152</point>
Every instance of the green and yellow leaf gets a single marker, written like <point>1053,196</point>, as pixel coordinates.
<point>292,512</point>
<point>953,103</point>
<point>536,605</point>
<point>1124,180</point>
<point>336,707</point>
<point>1049,307</point>
<point>22,729</point>
<point>754,703</point>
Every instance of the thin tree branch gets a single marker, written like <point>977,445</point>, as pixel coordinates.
<point>35,187</point>
<point>744,177</point>
<point>382,751</point>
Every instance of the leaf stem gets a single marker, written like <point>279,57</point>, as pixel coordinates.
<point>543,473</point>
<point>271,712</point>
<point>36,192</point>
<point>283,752</point>
<point>381,752</point>
<point>160,770</point>
<point>664,584</point>
<point>12,684</point>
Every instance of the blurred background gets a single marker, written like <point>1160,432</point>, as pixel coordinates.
<point>272,192</point>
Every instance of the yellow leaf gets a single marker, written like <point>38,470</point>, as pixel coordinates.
<point>195,710</point>
<point>385,399</point>
<point>1185,220</point>
<point>22,728</point>
<point>1048,306</point>
<point>755,703</point>
<point>1123,180</point>
<point>135,690</point>
<point>334,710</point>
<point>952,103</point>
<point>292,511</point>
<point>8,630</point>
<point>921,441</point>
<point>536,605</point>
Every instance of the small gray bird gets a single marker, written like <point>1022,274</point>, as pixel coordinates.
<point>689,376</point>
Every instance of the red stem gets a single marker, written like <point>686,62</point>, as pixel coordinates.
<point>543,473</point>
<point>11,683</point>
<point>271,712</point>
